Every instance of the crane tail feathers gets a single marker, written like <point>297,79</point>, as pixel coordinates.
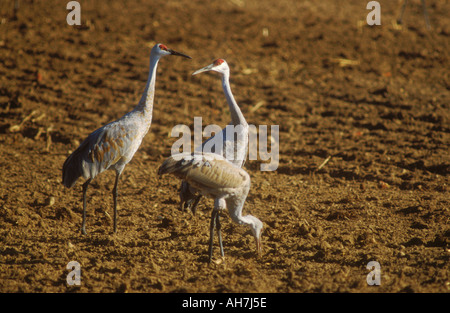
<point>173,166</point>
<point>71,172</point>
<point>73,168</point>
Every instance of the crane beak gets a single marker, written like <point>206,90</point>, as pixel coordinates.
<point>173,52</point>
<point>205,69</point>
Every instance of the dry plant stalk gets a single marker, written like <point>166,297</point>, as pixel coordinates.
<point>323,163</point>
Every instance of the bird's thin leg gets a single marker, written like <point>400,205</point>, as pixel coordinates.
<point>115,200</point>
<point>219,226</point>
<point>211,232</point>
<point>83,224</point>
<point>425,13</point>
<point>16,9</point>
<point>399,20</point>
<point>194,205</point>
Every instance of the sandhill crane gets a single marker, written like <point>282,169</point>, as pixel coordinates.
<point>113,145</point>
<point>425,13</point>
<point>215,177</point>
<point>234,149</point>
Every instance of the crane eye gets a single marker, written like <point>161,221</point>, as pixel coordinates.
<point>163,47</point>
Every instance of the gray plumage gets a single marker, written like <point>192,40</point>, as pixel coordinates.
<point>114,145</point>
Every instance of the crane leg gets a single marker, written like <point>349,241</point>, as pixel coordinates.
<point>425,13</point>
<point>399,20</point>
<point>115,193</point>
<point>83,224</point>
<point>215,223</point>
<point>211,232</point>
<point>219,226</point>
<point>193,207</point>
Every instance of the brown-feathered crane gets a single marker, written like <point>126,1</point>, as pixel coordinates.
<point>215,177</point>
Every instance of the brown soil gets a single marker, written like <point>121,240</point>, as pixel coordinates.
<point>383,117</point>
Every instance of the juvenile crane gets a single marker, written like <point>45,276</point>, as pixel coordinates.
<point>114,145</point>
<point>235,144</point>
<point>215,177</point>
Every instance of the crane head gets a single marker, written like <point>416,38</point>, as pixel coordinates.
<point>162,50</point>
<point>256,227</point>
<point>219,66</point>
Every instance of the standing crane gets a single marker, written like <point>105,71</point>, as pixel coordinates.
<point>234,148</point>
<point>114,145</point>
<point>215,177</point>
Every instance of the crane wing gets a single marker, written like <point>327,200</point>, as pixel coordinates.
<point>205,171</point>
<point>115,142</point>
<point>111,145</point>
<point>101,149</point>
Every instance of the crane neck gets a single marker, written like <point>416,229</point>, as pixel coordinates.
<point>146,103</point>
<point>237,118</point>
<point>235,206</point>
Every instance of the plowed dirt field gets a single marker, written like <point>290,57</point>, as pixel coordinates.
<point>375,99</point>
